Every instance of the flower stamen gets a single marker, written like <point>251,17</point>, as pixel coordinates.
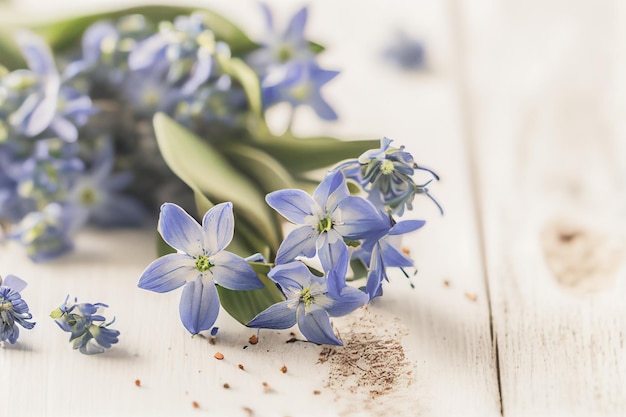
<point>325,225</point>
<point>203,263</point>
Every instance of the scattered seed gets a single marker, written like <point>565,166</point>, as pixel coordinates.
<point>317,392</point>
<point>219,356</point>
<point>266,387</point>
<point>406,251</point>
<point>249,411</point>
<point>446,283</point>
<point>253,339</point>
<point>211,340</point>
<point>283,369</point>
<point>137,382</point>
<point>195,404</point>
<point>470,296</point>
<point>240,366</point>
<point>226,385</point>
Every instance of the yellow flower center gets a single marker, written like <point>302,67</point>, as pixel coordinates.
<point>387,167</point>
<point>324,225</point>
<point>203,263</point>
<point>306,297</point>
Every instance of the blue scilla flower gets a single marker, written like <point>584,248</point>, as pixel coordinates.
<point>278,48</point>
<point>13,309</point>
<point>386,175</point>
<point>182,53</point>
<point>310,301</point>
<point>46,234</point>
<point>90,333</point>
<point>382,252</point>
<point>96,194</point>
<point>325,219</point>
<point>36,89</point>
<point>105,49</point>
<point>201,262</point>
<point>47,175</point>
<point>299,84</point>
<point>35,100</point>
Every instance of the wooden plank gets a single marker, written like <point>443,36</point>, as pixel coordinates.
<point>430,346</point>
<point>546,100</point>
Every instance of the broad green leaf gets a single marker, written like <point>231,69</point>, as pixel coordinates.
<point>299,155</point>
<point>205,170</point>
<point>245,305</point>
<point>248,79</point>
<point>266,171</point>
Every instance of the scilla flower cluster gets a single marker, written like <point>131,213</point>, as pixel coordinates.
<point>77,144</point>
<point>102,124</point>
<point>333,227</point>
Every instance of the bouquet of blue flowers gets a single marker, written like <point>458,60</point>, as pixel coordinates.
<point>119,118</point>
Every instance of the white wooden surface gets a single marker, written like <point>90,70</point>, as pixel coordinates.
<point>520,112</point>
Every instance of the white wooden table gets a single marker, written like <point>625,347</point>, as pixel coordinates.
<point>518,307</point>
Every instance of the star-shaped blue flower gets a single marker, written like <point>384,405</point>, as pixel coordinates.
<point>298,83</point>
<point>310,301</point>
<point>326,219</point>
<point>201,262</point>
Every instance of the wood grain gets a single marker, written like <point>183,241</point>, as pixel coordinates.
<point>546,98</point>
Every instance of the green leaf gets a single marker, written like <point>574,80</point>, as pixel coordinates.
<point>206,171</point>
<point>245,305</point>
<point>267,172</point>
<point>299,155</point>
<point>248,79</point>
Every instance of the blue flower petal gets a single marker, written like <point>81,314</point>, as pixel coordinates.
<point>360,219</point>
<point>233,272</point>
<point>168,273</point>
<point>300,241</point>
<point>349,300</point>
<point>315,326</point>
<point>295,30</point>
<point>392,256</point>
<point>294,205</point>
<point>331,249</point>
<point>199,305</point>
<point>147,52</point>
<point>180,230</point>
<point>267,17</point>
<point>36,53</point>
<point>323,110</point>
<point>376,274</point>
<point>291,277</point>
<point>276,316</point>
<point>201,72</point>
<point>406,226</point>
<point>64,129</point>
<point>105,337</point>
<point>92,40</point>
<point>218,226</point>
<point>16,284</point>
<point>328,186</point>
